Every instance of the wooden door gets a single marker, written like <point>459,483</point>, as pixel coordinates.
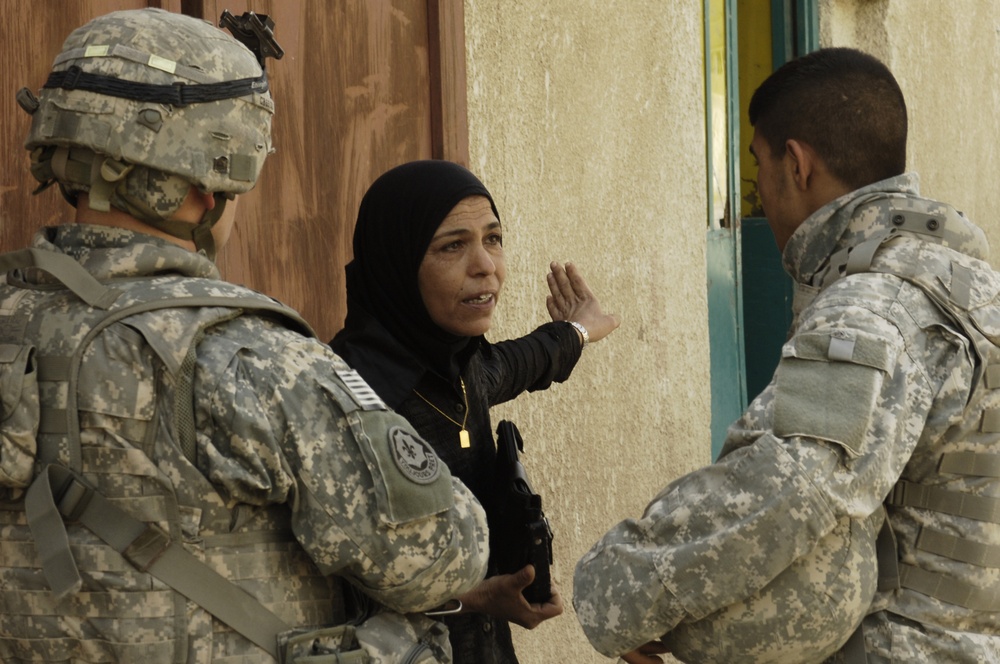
<point>364,85</point>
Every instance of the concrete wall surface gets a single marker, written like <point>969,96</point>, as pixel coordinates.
<point>586,122</point>
<point>944,56</point>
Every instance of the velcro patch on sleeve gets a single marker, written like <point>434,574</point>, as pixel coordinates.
<point>827,386</point>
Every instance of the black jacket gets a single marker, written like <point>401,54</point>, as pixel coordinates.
<point>493,374</point>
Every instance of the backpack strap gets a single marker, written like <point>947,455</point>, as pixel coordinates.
<point>75,277</point>
<point>69,272</point>
<point>68,368</point>
<point>58,494</point>
<point>855,651</point>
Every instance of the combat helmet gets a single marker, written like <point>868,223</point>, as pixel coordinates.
<point>141,104</point>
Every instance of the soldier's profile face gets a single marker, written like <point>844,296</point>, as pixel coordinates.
<point>462,272</point>
<point>773,189</point>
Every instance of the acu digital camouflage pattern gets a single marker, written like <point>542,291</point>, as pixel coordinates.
<point>19,409</point>
<point>392,637</point>
<point>219,146</point>
<point>383,638</point>
<point>767,555</point>
<point>289,493</point>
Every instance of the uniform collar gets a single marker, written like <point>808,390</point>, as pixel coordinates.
<point>115,253</point>
<point>826,230</point>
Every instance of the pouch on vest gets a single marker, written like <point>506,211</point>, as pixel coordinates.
<point>384,638</point>
<point>19,414</point>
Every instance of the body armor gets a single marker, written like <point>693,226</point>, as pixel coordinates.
<point>118,430</point>
<point>933,554</point>
<point>944,511</point>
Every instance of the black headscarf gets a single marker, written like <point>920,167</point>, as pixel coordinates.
<point>397,219</point>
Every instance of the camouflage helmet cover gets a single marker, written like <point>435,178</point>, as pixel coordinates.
<point>219,145</point>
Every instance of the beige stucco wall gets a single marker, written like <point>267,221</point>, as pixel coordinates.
<point>944,55</point>
<point>586,121</point>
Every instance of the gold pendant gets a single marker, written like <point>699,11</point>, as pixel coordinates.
<point>463,439</point>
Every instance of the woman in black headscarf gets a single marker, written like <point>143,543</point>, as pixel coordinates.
<point>427,271</point>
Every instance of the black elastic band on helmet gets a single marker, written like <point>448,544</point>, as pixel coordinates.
<point>177,94</point>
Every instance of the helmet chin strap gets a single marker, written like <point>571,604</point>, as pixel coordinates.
<point>200,233</point>
<point>106,181</point>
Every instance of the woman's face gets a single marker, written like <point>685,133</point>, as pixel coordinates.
<point>462,272</point>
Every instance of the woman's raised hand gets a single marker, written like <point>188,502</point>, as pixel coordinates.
<point>570,299</point>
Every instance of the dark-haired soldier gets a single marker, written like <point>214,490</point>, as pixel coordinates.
<point>854,514</point>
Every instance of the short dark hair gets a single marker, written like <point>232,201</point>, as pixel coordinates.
<point>843,103</point>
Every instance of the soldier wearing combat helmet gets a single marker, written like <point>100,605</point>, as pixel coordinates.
<point>187,474</point>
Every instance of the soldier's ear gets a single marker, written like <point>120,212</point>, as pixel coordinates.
<point>800,160</point>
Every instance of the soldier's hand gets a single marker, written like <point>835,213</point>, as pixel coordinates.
<point>646,654</point>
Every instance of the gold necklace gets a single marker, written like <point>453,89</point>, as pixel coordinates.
<point>463,434</point>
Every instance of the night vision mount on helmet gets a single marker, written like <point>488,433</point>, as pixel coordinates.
<point>142,104</point>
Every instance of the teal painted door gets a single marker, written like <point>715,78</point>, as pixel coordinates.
<point>749,294</point>
<point>793,28</point>
<point>725,307</point>
<point>726,334</point>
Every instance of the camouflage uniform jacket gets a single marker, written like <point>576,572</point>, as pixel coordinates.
<point>774,543</point>
<point>298,477</point>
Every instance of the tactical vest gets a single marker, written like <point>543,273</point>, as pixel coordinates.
<point>941,553</point>
<point>117,548</point>
<point>938,550</point>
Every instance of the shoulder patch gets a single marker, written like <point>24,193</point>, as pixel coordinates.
<point>414,457</point>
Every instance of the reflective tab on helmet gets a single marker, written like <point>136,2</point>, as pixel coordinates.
<point>163,64</point>
<point>130,54</point>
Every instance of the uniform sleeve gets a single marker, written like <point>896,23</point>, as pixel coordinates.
<point>824,443</point>
<point>530,363</point>
<point>369,499</point>
<point>709,540</point>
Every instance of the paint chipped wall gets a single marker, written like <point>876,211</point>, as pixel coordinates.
<point>586,121</point>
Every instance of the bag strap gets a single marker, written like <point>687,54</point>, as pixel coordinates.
<point>72,275</point>
<point>68,368</point>
<point>855,651</point>
<point>58,495</point>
